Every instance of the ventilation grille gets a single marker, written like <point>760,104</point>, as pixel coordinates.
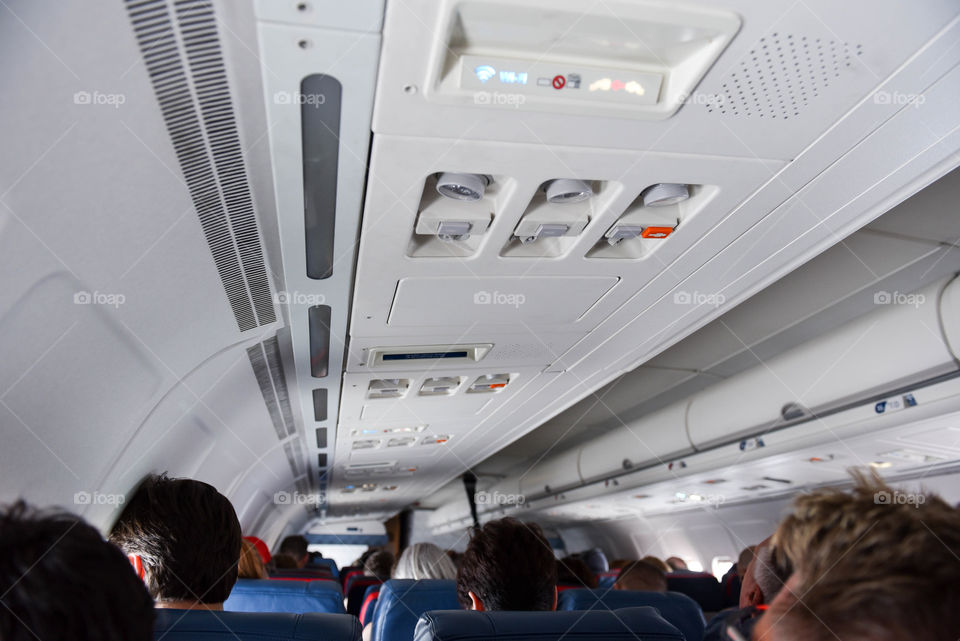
<point>186,68</point>
<point>783,74</point>
<point>294,456</point>
<point>265,360</point>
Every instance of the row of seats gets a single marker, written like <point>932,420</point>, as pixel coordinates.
<point>628,624</point>
<point>401,603</point>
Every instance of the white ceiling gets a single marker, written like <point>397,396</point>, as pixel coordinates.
<point>95,198</point>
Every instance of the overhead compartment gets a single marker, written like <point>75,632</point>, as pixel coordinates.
<point>552,474</point>
<point>901,343</point>
<point>652,439</point>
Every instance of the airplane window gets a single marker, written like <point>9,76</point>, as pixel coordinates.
<point>344,555</point>
<point>720,566</point>
<point>693,564</point>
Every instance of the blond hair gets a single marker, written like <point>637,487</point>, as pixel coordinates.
<point>251,565</point>
<point>869,565</point>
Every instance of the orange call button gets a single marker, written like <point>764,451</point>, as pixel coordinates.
<point>656,232</point>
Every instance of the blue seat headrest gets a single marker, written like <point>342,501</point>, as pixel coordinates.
<point>330,564</point>
<point>297,597</point>
<point>678,609</point>
<point>628,624</point>
<point>211,625</point>
<point>402,601</point>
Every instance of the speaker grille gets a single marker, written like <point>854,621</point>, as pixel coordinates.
<point>781,75</point>
<point>185,64</point>
<point>265,360</point>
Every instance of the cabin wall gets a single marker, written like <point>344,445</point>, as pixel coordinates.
<point>704,534</point>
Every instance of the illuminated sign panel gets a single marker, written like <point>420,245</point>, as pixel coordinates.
<point>558,81</point>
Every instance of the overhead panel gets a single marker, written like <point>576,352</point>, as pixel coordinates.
<point>319,62</point>
<point>472,186</point>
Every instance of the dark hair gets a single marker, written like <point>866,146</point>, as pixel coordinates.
<point>572,570</point>
<point>508,565</point>
<point>379,564</point>
<point>640,575</point>
<point>59,579</point>
<point>187,535</point>
<point>285,562</point>
<point>295,546</point>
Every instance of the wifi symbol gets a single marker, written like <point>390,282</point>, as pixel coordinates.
<point>485,72</point>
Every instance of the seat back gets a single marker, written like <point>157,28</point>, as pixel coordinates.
<point>298,597</point>
<point>356,591</point>
<point>369,603</point>
<point>607,579</point>
<point>628,624</point>
<point>348,571</point>
<point>402,601</point>
<point>678,609</point>
<point>210,625</point>
<point>303,573</point>
<point>329,564</point>
<point>699,586</point>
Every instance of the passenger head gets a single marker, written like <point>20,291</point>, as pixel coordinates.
<point>186,537</point>
<point>296,546</point>
<point>868,566</point>
<point>424,561</point>
<point>572,570</point>
<point>743,561</point>
<point>766,574</point>
<point>285,562</point>
<point>640,575</point>
<point>261,548</point>
<point>596,560</point>
<point>676,563</point>
<point>379,564</point>
<point>508,565</point>
<point>60,580</point>
<point>251,565</point>
<point>619,564</point>
<point>657,563</point>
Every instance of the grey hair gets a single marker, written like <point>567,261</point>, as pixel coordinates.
<point>765,573</point>
<point>424,561</point>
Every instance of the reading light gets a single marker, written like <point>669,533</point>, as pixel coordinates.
<point>467,187</point>
<point>665,194</point>
<point>567,190</point>
<point>880,465</point>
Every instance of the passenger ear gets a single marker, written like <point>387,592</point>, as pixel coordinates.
<point>555,592</point>
<point>137,564</point>
<point>476,602</point>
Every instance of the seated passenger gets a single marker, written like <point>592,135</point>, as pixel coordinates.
<point>296,547</point>
<point>420,561</point>
<point>282,561</point>
<point>424,561</point>
<point>184,538</point>
<point>572,570</point>
<point>596,560</point>
<point>868,567</point>
<point>619,564</point>
<point>657,563</point>
<point>508,565</point>
<point>251,565</point>
<point>677,565</point>
<point>379,565</point>
<point>60,580</point>
<point>643,576</point>
<point>765,576</point>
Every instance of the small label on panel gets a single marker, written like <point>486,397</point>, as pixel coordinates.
<point>559,80</point>
<point>895,403</point>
